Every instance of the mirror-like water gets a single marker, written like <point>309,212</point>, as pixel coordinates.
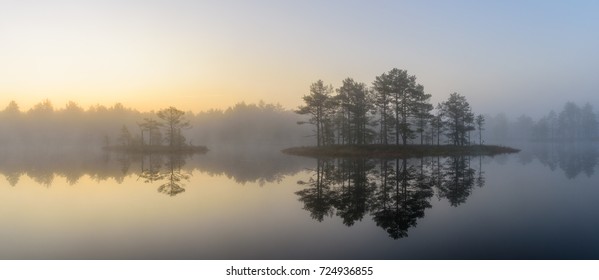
<point>538,204</point>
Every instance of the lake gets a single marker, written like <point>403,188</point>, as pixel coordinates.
<point>79,204</point>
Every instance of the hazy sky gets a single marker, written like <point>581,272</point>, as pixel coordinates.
<point>512,56</point>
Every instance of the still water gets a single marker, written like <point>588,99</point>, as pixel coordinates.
<point>541,203</point>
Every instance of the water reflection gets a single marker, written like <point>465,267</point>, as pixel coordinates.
<point>165,169</point>
<point>395,192</point>
<point>171,170</point>
<point>573,159</point>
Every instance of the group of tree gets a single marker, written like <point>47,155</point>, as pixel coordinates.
<point>395,109</point>
<point>572,123</point>
<point>171,120</point>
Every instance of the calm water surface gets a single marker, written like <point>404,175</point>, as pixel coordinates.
<point>539,204</point>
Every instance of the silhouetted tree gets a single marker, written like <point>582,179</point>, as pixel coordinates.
<point>480,122</point>
<point>399,93</point>
<point>458,119</point>
<point>174,121</point>
<point>437,125</point>
<point>422,112</point>
<point>354,106</point>
<point>319,106</point>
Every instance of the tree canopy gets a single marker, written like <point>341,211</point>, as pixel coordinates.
<point>395,109</point>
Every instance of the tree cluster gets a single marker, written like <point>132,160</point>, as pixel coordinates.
<point>572,123</point>
<point>394,110</point>
<point>172,120</point>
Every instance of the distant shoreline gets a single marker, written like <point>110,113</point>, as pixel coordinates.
<point>397,151</point>
<point>158,149</point>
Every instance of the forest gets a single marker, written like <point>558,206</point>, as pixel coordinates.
<point>260,126</point>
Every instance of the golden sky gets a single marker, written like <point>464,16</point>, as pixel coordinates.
<point>198,55</point>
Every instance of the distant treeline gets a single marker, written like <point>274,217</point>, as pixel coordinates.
<point>395,110</point>
<point>243,124</point>
<point>573,122</point>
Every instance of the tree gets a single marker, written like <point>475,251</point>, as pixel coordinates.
<point>437,125</point>
<point>73,108</point>
<point>569,120</point>
<point>398,92</point>
<point>153,128</point>
<point>319,105</point>
<point>174,121</point>
<point>480,122</point>
<point>354,101</point>
<point>44,108</point>
<point>382,102</point>
<point>125,137</point>
<point>422,111</point>
<point>457,118</point>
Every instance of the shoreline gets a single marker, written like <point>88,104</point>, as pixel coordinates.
<point>397,151</point>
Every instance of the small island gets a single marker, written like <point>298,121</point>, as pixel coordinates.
<point>173,122</point>
<point>388,120</point>
<point>401,151</point>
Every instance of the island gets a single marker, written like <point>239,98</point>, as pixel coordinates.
<point>398,151</point>
<point>172,123</point>
<point>388,120</point>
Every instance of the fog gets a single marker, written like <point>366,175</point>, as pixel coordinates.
<point>251,127</point>
<point>243,125</point>
<point>571,122</point>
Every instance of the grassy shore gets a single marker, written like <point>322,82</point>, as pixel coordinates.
<point>397,151</point>
<point>187,149</point>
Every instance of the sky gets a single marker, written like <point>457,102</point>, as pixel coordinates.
<point>518,57</point>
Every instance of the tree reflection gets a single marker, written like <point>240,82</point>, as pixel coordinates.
<point>402,201</point>
<point>318,198</point>
<point>151,168</point>
<point>572,158</point>
<point>395,192</point>
<point>45,165</point>
<point>166,169</point>
<point>354,189</point>
<point>458,180</point>
<point>174,176</point>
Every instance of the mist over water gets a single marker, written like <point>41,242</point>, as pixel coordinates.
<point>67,194</point>
<point>231,204</point>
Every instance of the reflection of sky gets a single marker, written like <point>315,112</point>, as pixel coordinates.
<point>199,54</point>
